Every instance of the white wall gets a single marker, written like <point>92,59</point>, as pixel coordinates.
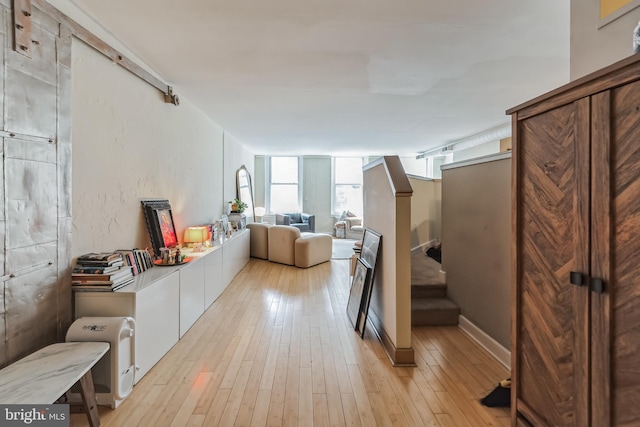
<point>413,166</point>
<point>593,48</point>
<point>127,144</point>
<point>235,155</point>
<point>492,147</point>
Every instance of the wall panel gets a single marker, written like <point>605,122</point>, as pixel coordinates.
<point>36,298</point>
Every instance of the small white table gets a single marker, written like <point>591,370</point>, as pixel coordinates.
<point>42,377</point>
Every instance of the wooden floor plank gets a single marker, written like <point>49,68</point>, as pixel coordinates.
<point>276,349</point>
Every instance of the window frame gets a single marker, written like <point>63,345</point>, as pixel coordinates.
<point>298,184</point>
<point>335,213</point>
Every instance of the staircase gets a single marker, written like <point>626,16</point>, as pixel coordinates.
<point>429,303</point>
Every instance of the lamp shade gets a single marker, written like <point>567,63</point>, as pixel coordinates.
<point>260,211</point>
<point>197,234</point>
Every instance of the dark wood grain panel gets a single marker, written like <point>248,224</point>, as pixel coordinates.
<point>625,292</point>
<point>577,349</point>
<point>549,308</point>
<point>515,265</point>
<point>582,250</point>
<point>600,259</point>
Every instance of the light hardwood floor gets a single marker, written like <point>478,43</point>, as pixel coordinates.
<point>277,349</point>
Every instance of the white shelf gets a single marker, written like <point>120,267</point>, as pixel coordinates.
<point>166,301</point>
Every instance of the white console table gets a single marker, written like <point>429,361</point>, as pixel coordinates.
<point>166,301</point>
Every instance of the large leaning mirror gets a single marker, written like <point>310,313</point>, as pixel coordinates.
<point>245,191</point>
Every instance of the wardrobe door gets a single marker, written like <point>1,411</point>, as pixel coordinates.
<point>552,240</point>
<point>616,255</point>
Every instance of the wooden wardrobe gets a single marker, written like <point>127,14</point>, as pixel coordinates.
<point>576,253</point>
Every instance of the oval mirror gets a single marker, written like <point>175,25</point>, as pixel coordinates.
<point>245,191</point>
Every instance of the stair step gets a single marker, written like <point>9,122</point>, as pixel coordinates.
<point>425,270</point>
<point>434,312</point>
<point>429,291</point>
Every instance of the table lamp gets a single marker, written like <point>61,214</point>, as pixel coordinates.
<point>260,211</point>
<point>194,236</point>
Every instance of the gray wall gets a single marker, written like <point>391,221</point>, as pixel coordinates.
<point>316,191</point>
<point>476,243</point>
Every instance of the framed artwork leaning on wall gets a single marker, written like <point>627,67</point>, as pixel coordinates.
<point>369,253</point>
<point>359,285</point>
<point>157,213</point>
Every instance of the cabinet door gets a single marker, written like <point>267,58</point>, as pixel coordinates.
<point>191,294</point>
<point>157,322</point>
<point>616,248</point>
<point>551,227</point>
<point>213,283</point>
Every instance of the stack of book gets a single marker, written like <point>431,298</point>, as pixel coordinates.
<point>138,259</point>
<point>103,271</point>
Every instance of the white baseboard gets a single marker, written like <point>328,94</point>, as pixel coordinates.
<point>442,275</point>
<point>492,346</point>
<point>430,244</point>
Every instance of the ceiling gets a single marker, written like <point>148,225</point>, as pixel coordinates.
<point>365,77</point>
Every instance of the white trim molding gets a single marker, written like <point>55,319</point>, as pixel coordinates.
<point>492,346</point>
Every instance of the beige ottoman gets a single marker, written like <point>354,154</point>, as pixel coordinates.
<point>282,240</point>
<point>259,238</point>
<point>312,249</point>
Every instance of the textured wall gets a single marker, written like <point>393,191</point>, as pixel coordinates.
<point>35,210</point>
<point>128,145</point>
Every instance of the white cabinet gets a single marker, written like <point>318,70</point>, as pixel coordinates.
<point>213,283</point>
<point>191,293</point>
<point>153,301</point>
<point>235,255</point>
<point>166,301</point>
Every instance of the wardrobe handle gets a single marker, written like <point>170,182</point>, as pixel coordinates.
<point>596,285</point>
<point>576,278</point>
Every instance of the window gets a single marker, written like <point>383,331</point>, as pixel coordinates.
<point>347,185</point>
<point>284,191</point>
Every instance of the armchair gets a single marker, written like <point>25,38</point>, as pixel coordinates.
<point>303,221</point>
<point>353,228</point>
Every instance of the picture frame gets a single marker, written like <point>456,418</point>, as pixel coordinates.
<point>370,252</point>
<point>610,10</point>
<point>359,284</point>
<point>159,219</point>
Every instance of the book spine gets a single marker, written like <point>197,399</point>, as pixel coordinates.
<point>139,259</point>
<point>130,261</point>
<point>93,270</point>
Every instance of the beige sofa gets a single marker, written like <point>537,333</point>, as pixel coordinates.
<point>259,240</point>
<point>286,245</point>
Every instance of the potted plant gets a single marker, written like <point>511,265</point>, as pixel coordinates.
<point>237,205</point>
